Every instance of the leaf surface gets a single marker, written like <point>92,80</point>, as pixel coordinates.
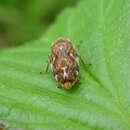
<point>32,101</point>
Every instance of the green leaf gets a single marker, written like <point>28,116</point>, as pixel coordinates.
<point>32,101</point>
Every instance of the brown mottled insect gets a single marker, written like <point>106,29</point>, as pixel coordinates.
<point>64,63</point>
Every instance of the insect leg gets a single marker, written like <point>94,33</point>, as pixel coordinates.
<point>41,72</point>
<point>2,126</point>
<point>86,65</point>
<point>59,86</point>
<point>47,66</point>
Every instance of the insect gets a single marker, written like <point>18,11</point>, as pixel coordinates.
<point>64,62</point>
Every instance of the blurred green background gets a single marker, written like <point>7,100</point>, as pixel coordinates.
<point>25,20</point>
